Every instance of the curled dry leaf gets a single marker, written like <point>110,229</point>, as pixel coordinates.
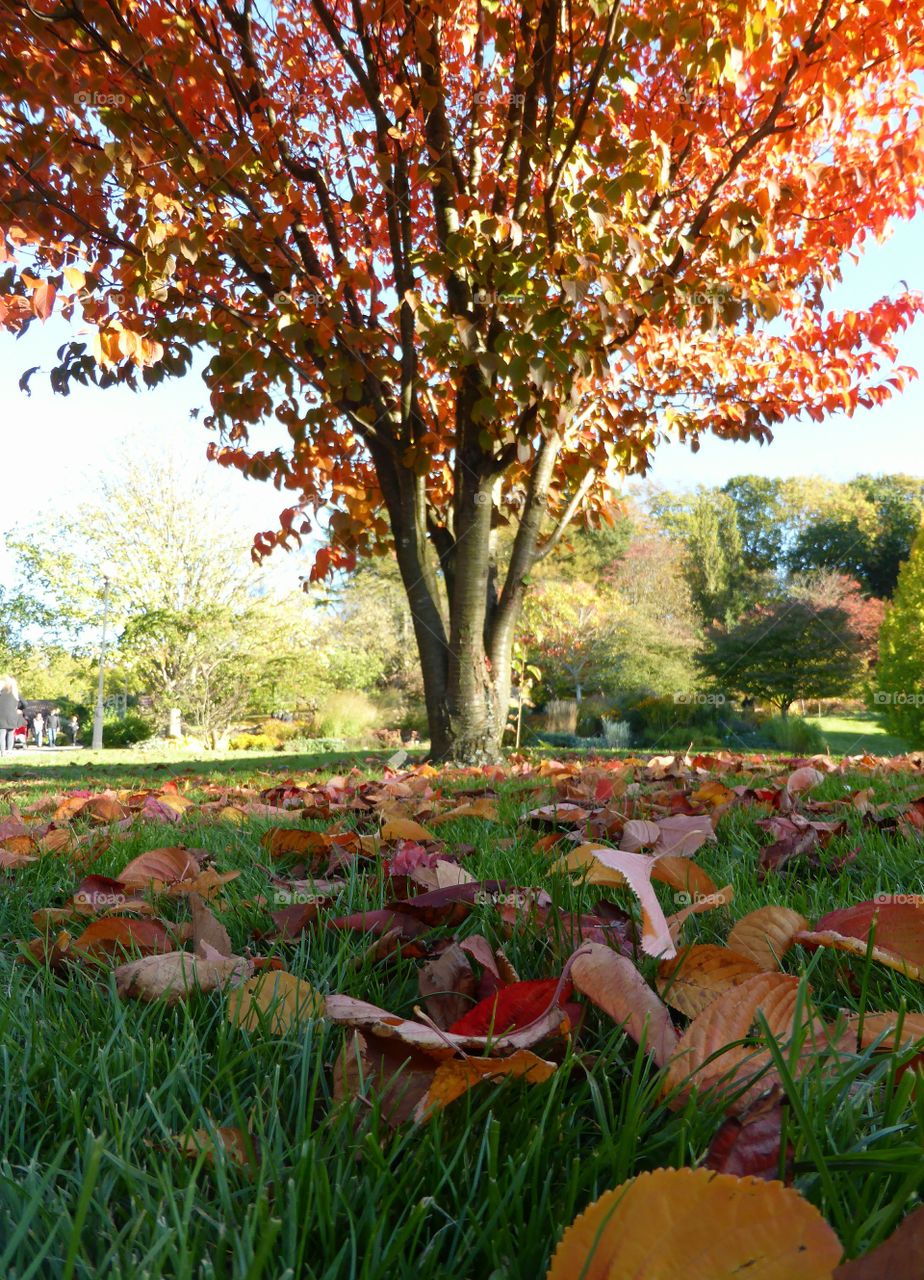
<point>397,1076</point>
<point>636,868</point>
<point>638,834</point>
<point>10,860</point>
<point>447,986</point>
<point>614,985</point>
<point>159,866</point>
<point>368,1018</point>
<point>456,1076</point>
<point>765,935</point>
<point>179,974</point>
<point>699,974</point>
<point>896,925</point>
<point>206,928</point>
<point>511,1008</point>
<point>803,780</point>
<point>699,1225</point>
<point>683,874</point>
<point>275,1001</point>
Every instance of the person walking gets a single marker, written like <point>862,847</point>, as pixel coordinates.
<point>38,727</point>
<point>75,729</point>
<point>10,704</point>
<point>52,725</point>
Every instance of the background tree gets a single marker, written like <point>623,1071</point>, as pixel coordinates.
<point>784,651</point>
<point>866,534</point>
<point>898,698</point>
<point>827,589</point>
<point>472,259</point>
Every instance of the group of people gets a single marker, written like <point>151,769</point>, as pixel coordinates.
<point>15,717</point>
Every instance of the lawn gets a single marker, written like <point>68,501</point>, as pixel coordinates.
<point>854,735</point>
<point>101,1092</point>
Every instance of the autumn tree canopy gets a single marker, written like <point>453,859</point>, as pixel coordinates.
<point>456,265</point>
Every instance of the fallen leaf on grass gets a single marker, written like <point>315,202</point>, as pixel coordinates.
<point>749,1145</point>
<point>456,1076</point>
<point>9,859</point>
<point>447,986</point>
<point>636,868</point>
<point>404,829</point>
<point>895,925</point>
<point>871,1026</point>
<point>710,1055</point>
<point>159,866</point>
<point>231,1144</point>
<point>441,1044</point>
<point>276,1001</point>
<point>179,974</point>
<point>803,780</point>
<point>765,935</point>
<point>699,1225</point>
<point>901,1257</point>
<point>111,935</point>
<point>207,928</point>
<point>684,875</point>
<point>699,974</point>
<point>511,1008</point>
<point>615,985</point>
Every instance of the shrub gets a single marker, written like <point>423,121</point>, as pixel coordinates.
<point>316,744</point>
<point>346,714</point>
<point>128,730</point>
<point>792,733</point>
<point>617,733</point>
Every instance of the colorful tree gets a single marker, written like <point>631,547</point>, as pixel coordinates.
<point>471,260</point>
<point>899,695</point>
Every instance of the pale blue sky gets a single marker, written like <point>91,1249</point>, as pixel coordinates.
<point>55,445</point>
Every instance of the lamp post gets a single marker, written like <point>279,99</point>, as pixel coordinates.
<point>97,741</point>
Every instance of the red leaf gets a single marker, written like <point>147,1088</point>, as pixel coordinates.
<point>511,1008</point>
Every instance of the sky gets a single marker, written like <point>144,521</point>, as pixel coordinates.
<point>55,448</point>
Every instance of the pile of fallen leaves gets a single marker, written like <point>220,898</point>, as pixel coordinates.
<point>703,1012</point>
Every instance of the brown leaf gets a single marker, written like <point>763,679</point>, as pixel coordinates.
<point>232,1144</point>
<point>178,974</point>
<point>397,1077</point>
<point>456,1076</point>
<point>447,986</point>
<point>615,985</point>
<point>748,1145</point>
<point>159,866</point>
<point>896,925</point>
<point>206,928</point>
<point>901,1257</point>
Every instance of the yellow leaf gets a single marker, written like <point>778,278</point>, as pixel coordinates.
<point>276,1001</point>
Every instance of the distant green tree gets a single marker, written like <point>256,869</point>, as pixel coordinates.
<point>762,515</point>
<point>721,584</point>
<point>866,532</point>
<point>898,698</point>
<point>787,650</point>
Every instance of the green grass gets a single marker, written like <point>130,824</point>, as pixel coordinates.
<point>93,1087</point>
<point>854,735</point>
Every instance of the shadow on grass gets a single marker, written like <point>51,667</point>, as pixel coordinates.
<point>123,769</point>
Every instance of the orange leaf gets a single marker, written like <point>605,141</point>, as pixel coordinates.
<point>615,985</point>
<point>162,866</point>
<point>699,1225</point>
<point>765,935</point>
<point>699,974</point>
